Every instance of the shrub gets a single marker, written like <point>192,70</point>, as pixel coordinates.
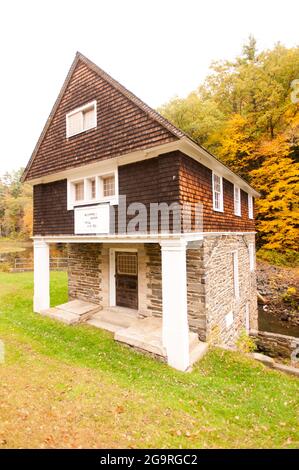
<point>5,267</point>
<point>245,343</point>
<point>288,258</point>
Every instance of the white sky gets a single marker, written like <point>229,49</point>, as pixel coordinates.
<point>156,48</point>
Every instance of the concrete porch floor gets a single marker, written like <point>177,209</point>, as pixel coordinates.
<point>129,328</point>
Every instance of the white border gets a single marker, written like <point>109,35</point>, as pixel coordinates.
<point>251,250</point>
<point>236,280</point>
<point>221,208</point>
<point>237,210</point>
<point>250,206</point>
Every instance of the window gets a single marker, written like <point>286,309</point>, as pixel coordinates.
<point>127,264</point>
<point>236,274</point>
<point>81,119</point>
<point>79,190</point>
<point>93,188</point>
<point>250,206</point>
<point>217,193</point>
<point>247,317</point>
<point>237,200</point>
<point>229,319</point>
<point>109,186</point>
<point>251,256</point>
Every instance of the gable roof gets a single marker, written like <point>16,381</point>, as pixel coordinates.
<point>173,132</point>
<point>151,130</point>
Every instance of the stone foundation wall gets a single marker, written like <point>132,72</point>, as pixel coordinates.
<point>274,344</point>
<point>85,272</point>
<point>210,285</point>
<point>218,279</point>
<point>196,300</point>
<point>88,274</point>
<point>153,279</point>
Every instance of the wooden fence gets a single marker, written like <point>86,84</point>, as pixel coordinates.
<point>25,264</point>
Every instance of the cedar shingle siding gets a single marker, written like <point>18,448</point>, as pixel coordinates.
<point>196,185</point>
<point>172,177</point>
<point>50,214</point>
<point>122,127</point>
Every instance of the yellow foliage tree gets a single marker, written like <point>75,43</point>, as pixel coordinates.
<point>278,181</point>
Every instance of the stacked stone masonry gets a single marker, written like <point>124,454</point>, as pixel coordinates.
<point>276,345</point>
<point>210,283</point>
<point>85,272</point>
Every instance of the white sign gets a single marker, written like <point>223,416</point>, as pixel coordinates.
<point>92,219</point>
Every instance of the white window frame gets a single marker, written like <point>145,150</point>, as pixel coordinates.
<point>251,252</point>
<point>81,109</point>
<point>218,209</point>
<point>247,317</point>
<point>229,320</point>
<point>236,274</point>
<point>113,200</point>
<point>101,185</point>
<point>112,277</point>
<point>74,190</point>
<point>237,203</point>
<point>250,206</point>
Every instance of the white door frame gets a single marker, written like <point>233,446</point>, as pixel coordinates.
<point>112,280</point>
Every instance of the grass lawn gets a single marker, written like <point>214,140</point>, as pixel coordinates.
<point>63,386</point>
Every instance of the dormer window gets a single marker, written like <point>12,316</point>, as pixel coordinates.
<point>81,119</point>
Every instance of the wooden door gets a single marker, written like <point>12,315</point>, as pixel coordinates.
<point>126,274</point>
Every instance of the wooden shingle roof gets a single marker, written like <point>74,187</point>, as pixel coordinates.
<point>125,123</point>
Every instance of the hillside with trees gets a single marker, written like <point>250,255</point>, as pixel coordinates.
<point>247,113</point>
<point>15,206</point>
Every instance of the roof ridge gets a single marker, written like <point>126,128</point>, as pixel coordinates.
<point>144,107</point>
<point>133,98</point>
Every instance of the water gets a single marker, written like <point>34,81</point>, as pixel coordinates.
<point>272,324</point>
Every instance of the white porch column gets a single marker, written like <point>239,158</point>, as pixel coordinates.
<point>41,300</point>
<point>174,300</point>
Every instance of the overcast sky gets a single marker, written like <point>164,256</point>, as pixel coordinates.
<point>156,48</point>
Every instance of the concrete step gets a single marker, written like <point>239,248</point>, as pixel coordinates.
<point>75,311</point>
<point>98,323</point>
<point>197,351</point>
<point>122,319</point>
<point>143,334</point>
<point>57,314</point>
<point>83,309</point>
<point>122,310</point>
<point>193,339</point>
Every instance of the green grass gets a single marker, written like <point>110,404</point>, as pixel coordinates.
<point>80,388</point>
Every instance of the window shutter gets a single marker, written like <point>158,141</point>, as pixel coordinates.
<point>89,118</point>
<point>74,123</point>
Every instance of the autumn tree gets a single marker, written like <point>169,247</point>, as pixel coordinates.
<point>243,113</point>
<point>15,206</point>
